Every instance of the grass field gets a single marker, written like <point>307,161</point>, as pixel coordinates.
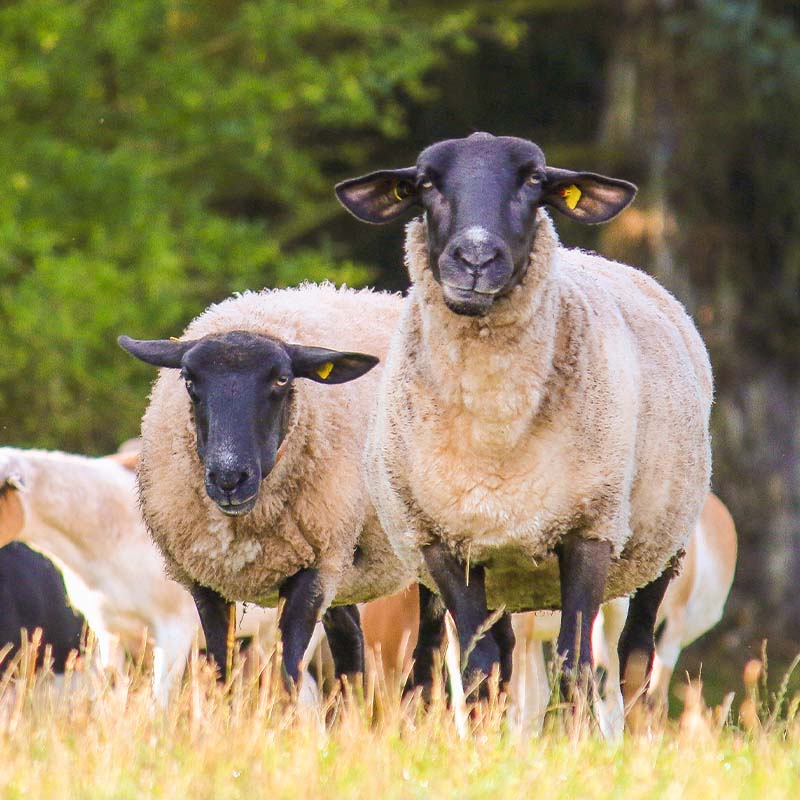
<point>99,740</point>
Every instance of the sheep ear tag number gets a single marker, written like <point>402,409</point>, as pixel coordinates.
<point>571,195</point>
<point>325,370</point>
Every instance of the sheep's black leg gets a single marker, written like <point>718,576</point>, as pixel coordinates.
<point>583,567</point>
<point>215,617</point>
<point>637,643</point>
<point>503,633</point>
<point>343,628</point>
<point>430,636</point>
<point>302,601</point>
<point>466,602</point>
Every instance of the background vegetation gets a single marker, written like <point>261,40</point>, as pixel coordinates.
<point>156,156</point>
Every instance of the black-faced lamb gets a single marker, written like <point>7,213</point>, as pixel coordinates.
<point>542,433</point>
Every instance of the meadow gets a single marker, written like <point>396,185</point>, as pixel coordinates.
<point>97,738</point>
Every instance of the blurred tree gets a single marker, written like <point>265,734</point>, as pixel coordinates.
<point>158,155</point>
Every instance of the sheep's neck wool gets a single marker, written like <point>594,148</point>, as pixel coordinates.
<point>507,361</point>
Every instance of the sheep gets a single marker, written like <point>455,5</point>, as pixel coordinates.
<point>82,513</point>
<point>541,436</point>
<point>251,480</point>
<point>32,595</point>
<point>390,633</point>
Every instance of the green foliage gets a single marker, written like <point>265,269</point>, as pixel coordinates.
<point>159,155</point>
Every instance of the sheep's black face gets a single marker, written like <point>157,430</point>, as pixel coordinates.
<point>480,196</point>
<point>240,385</point>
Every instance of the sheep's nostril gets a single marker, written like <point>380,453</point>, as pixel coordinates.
<point>228,480</point>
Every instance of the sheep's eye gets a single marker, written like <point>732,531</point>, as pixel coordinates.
<point>190,388</point>
<point>426,184</point>
<point>282,380</point>
<point>533,180</point>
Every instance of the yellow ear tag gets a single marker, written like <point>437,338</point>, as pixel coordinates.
<point>325,370</point>
<point>174,339</point>
<point>397,195</point>
<point>571,195</point>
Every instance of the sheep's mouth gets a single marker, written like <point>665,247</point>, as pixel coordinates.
<point>237,508</point>
<point>467,302</point>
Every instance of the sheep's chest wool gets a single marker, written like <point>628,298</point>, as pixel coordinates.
<point>313,508</point>
<point>579,403</point>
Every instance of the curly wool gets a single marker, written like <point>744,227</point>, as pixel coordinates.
<point>580,402</point>
<point>313,508</point>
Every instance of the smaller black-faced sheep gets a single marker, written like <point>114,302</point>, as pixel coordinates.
<point>251,477</point>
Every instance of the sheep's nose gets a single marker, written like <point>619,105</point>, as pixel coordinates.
<point>475,257</point>
<point>228,479</point>
<point>475,248</point>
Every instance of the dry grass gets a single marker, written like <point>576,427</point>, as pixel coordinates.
<point>97,740</point>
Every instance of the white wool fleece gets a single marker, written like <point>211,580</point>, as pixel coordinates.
<point>580,402</point>
<point>313,508</point>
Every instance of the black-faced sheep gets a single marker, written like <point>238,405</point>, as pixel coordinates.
<point>542,431</point>
<point>251,479</point>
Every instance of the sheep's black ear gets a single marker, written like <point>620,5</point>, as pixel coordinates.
<point>329,366</point>
<point>380,196</point>
<point>158,352</point>
<point>586,196</point>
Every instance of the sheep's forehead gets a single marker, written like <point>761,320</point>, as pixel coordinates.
<point>237,351</point>
<point>481,150</point>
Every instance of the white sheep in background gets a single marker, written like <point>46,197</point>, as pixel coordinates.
<point>83,514</point>
<point>542,431</point>
<point>251,477</point>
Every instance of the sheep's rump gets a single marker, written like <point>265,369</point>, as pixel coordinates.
<point>314,505</point>
<point>618,449</point>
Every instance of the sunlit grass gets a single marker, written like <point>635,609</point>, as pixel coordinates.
<point>103,738</point>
